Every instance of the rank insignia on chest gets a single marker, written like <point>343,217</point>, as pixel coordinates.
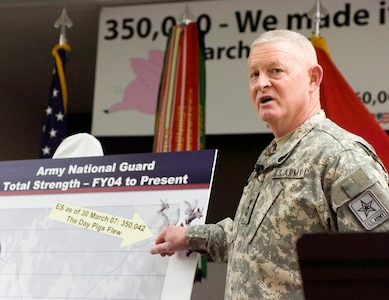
<point>369,210</point>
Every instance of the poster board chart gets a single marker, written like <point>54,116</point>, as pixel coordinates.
<point>82,228</point>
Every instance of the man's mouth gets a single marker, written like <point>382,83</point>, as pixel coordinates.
<point>265,100</point>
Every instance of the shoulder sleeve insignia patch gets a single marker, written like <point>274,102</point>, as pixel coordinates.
<point>368,209</point>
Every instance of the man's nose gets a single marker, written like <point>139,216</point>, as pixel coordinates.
<point>263,82</point>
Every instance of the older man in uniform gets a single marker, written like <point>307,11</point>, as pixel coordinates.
<point>313,177</point>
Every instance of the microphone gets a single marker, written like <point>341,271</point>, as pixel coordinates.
<point>258,168</point>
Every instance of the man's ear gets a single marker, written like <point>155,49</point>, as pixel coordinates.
<point>316,75</point>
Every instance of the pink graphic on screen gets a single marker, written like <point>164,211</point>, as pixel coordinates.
<point>141,94</point>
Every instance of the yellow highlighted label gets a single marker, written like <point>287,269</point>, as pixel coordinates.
<point>131,231</point>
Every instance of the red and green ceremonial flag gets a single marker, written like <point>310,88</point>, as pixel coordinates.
<point>343,106</point>
<point>54,126</point>
<point>180,117</point>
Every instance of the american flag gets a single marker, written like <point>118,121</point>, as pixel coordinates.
<point>383,117</point>
<point>54,126</point>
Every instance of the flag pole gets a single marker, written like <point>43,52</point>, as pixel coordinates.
<point>317,13</point>
<point>186,17</point>
<point>63,22</point>
<point>54,126</point>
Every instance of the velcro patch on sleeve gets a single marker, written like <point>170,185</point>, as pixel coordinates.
<point>368,209</point>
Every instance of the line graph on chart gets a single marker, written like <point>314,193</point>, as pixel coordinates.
<point>41,258</point>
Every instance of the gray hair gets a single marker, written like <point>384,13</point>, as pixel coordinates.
<point>288,36</point>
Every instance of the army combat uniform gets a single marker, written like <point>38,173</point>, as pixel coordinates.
<point>323,179</point>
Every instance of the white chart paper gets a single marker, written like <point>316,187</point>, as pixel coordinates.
<point>84,256</point>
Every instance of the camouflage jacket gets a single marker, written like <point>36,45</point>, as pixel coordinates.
<point>318,181</point>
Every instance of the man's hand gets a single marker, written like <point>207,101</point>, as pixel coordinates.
<point>171,239</point>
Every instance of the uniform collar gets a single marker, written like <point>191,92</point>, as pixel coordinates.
<point>273,156</point>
